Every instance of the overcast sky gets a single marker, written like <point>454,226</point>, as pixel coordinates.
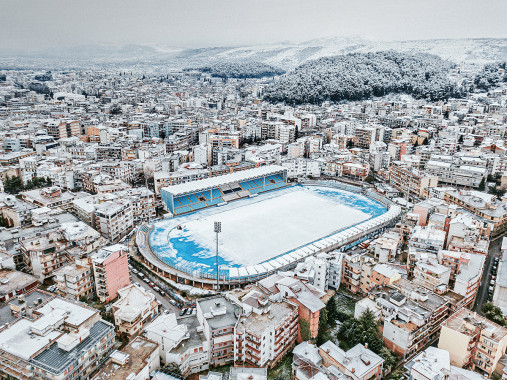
<point>37,24</point>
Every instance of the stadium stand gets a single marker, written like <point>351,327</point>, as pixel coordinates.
<point>192,196</point>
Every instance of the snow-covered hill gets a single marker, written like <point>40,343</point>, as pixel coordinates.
<point>284,55</point>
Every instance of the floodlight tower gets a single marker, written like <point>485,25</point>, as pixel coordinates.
<point>218,229</point>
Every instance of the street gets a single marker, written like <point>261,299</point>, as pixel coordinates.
<point>482,293</point>
<point>163,300</point>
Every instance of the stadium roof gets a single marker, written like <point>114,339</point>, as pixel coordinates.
<point>207,183</point>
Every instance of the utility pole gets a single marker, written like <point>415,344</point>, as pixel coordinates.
<point>218,229</point>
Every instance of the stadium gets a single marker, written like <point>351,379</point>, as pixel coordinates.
<point>267,225</point>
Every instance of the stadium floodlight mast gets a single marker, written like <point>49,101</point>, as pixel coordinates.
<point>218,229</point>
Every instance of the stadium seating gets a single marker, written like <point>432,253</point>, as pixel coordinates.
<point>202,199</point>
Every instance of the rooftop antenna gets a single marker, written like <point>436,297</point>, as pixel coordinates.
<point>218,229</point>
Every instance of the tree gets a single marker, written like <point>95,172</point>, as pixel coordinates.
<point>370,179</point>
<point>397,375</point>
<point>323,335</point>
<point>390,360</point>
<point>362,330</point>
<point>493,313</point>
<point>482,185</point>
<point>13,185</point>
<point>304,329</point>
<point>332,312</point>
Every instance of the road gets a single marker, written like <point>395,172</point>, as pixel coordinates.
<point>482,294</point>
<point>164,300</point>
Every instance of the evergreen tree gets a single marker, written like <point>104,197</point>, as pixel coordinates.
<point>482,185</point>
<point>332,312</point>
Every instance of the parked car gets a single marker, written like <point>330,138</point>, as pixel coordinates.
<point>156,288</point>
<point>172,302</point>
<point>135,271</point>
<point>183,311</point>
<point>152,284</point>
<point>491,289</point>
<point>166,311</point>
<point>189,311</point>
<point>146,279</point>
<point>162,293</point>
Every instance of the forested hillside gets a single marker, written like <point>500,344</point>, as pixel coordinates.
<point>363,75</point>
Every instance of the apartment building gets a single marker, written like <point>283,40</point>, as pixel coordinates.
<point>435,364</point>
<point>51,197</point>
<point>473,341</point>
<point>331,362</point>
<point>181,342</point>
<point>500,292</point>
<point>75,280</point>
<point>135,308</point>
<point>463,175</point>
<point>410,181</point>
<point>307,297</point>
<point>14,212</point>
<point>266,330</point>
<point>111,271</point>
<point>411,315</point>
<point>432,275</point>
<point>44,253</point>
<point>61,339</point>
<point>218,317</point>
<point>485,206</point>
<point>465,272</point>
<point>351,275</point>
<point>114,219</point>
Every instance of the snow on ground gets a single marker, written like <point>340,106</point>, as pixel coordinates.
<point>260,231</point>
<point>192,251</point>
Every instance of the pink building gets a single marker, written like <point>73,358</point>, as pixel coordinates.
<point>111,270</point>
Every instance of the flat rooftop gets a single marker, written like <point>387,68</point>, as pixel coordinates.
<point>138,351</point>
<point>218,312</point>
<point>56,360</point>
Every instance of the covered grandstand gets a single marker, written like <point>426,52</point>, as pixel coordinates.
<point>192,196</point>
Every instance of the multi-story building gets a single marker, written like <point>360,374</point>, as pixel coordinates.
<point>111,271</point>
<point>50,197</point>
<point>473,341</point>
<point>180,342</point>
<point>61,339</point>
<point>351,274</point>
<point>265,331</point>
<point>500,292</point>
<point>485,206</point>
<point>410,181</point>
<point>465,272</point>
<point>45,253</point>
<point>114,220</point>
<point>307,297</point>
<point>432,275</point>
<point>218,317</point>
<point>75,280</point>
<point>331,362</point>
<point>14,212</point>
<point>135,308</point>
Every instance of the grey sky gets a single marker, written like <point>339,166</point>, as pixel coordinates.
<point>36,24</point>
